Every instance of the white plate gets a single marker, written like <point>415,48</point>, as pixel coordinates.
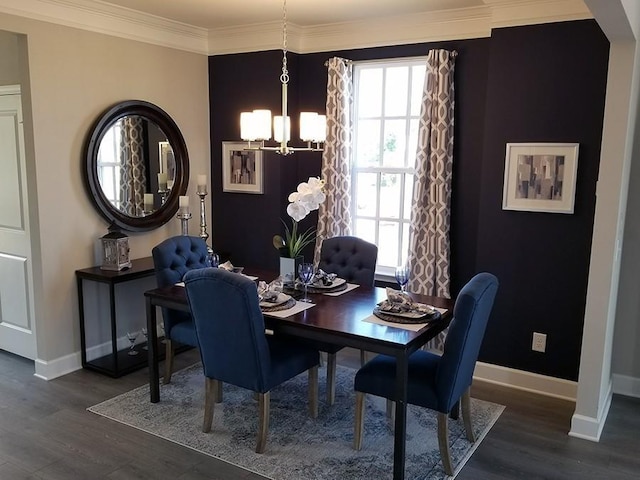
<point>336,283</point>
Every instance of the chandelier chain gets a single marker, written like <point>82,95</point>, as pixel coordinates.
<point>284,78</point>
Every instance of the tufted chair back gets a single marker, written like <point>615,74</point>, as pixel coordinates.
<point>351,258</point>
<point>173,258</point>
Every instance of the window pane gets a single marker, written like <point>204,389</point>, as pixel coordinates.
<point>366,195</point>
<point>388,244</point>
<point>107,182</point>
<point>394,143</point>
<point>408,196</point>
<point>390,195</point>
<point>412,146</point>
<point>405,243</point>
<point>417,87</point>
<point>370,92</point>
<point>368,143</point>
<point>366,229</point>
<point>395,102</point>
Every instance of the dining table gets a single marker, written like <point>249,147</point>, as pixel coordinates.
<point>341,319</point>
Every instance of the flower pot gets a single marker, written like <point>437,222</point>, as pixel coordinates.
<point>289,268</point>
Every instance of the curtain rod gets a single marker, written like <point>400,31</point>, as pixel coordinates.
<point>454,53</point>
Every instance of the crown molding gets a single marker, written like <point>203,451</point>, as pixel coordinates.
<point>101,17</point>
<point>513,13</point>
<point>477,22</point>
<point>444,25</point>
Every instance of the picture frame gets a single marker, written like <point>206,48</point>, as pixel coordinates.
<point>242,170</point>
<point>540,177</point>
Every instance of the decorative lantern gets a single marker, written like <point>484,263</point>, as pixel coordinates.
<point>115,250</point>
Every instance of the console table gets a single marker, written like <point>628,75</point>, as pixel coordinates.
<point>118,362</point>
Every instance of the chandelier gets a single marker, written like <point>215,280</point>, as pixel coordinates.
<point>255,126</point>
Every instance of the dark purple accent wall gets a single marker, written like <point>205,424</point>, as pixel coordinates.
<point>546,84</point>
<point>536,84</point>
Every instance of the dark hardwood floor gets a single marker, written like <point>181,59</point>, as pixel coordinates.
<point>46,433</point>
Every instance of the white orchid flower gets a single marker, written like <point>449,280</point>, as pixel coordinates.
<point>297,211</point>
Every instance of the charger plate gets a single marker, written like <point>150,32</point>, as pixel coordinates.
<point>284,302</point>
<point>407,317</point>
<point>337,285</point>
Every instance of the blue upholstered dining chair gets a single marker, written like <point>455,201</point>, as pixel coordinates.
<point>438,382</point>
<point>172,258</point>
<point>354,260</point>
<point>235,349</point>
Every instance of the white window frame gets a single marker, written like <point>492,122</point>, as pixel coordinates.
<point>385,272</point>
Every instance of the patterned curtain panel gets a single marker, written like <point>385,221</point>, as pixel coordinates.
<point>133,175</point>
<point>431,206</point>
<point>334,215</point>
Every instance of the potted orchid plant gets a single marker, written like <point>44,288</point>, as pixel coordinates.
<point>307,198</point>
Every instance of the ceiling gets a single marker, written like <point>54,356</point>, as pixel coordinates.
<point>214,27</point>
<point>212,14</point>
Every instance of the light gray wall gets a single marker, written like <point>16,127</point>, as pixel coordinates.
<point>9,63</point>
<point>73,76</point>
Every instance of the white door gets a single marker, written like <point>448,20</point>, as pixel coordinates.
<point>17,330</point>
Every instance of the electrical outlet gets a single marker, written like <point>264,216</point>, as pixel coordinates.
<point>539,343</point>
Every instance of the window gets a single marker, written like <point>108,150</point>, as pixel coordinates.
<point>108,164</point>
<point>387,100</point>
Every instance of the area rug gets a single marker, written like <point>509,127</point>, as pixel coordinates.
<point>298,447</point>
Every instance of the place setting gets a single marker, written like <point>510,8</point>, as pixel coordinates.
<point>400,310</point>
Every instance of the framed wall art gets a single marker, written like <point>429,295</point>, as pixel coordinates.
<point>241,169</point>
<point>540,177</point>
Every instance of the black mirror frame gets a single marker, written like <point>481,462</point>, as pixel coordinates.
<point>90,171</point>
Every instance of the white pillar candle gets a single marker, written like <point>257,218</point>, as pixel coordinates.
<point>202,184</point>
<point>184,204</point>
<point>148,201</point>
<point>162,182</point>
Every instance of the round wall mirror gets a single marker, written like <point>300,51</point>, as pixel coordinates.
<point>136,166</point>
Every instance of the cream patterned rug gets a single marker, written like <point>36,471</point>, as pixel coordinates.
<point>298,447</point>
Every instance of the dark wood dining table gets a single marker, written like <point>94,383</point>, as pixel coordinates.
<point>334,319</point>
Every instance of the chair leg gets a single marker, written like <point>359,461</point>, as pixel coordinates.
<point>363,358</point>
<point>331,378</point>
<point>210,388</point>
<point>313,392</point>
<point>391,409</point>
<point>455,411</point>
<point>466,415</point>
<point>443,442</point>
<point>219,392</point>
<point>168,362</point>
<point>359,423</point>
<point>263,425</point>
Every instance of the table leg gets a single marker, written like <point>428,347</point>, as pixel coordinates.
<point>152,344</point>
<point>399,436</point>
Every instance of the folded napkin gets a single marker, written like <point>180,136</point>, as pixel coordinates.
<point>323,278</point>
<point>228,266</point>
<point>268,292</point>
<point>401,302</point>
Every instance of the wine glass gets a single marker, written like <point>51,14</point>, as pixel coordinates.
<point>306,272</point>
<point>131,336</point>
<point>213,260</point>
<point>402,276</point>
<point>145,332</point>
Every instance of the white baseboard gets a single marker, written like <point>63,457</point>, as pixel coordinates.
<point>48,370</point>
<point>527,381</point>
<point>590,428</point>
<point>625,385</point>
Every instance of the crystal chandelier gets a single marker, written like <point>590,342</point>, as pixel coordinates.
<point>255,126</point>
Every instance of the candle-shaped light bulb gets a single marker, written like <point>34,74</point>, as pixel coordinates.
<point>162,182</point>
<point>202,184</point>
<point>184,205</point>
<point>148,202</point>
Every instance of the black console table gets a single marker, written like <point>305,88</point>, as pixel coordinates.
<point>118,362</point>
